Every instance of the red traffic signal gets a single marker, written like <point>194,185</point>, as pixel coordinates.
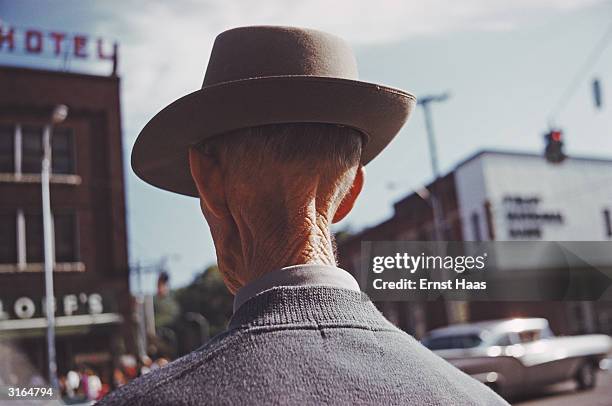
<point>554,147</point>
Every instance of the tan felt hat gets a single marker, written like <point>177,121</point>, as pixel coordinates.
<point>268,75</point>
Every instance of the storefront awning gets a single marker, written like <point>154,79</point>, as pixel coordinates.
<point>80,324</point>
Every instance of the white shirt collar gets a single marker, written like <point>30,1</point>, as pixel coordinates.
<point>297,275</point>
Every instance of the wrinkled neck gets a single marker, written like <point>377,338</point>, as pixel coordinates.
<point>284,236</point>
<point>280,224</point>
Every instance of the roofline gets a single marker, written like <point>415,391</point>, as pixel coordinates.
<point>523,154</point>
<point>23,69</point>
<point>499,152</point>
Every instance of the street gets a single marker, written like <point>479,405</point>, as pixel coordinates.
<point>566,394</point>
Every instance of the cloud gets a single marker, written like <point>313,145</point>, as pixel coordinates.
<point>165,45</point>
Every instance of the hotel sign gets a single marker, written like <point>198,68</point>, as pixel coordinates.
<point>55,43</point>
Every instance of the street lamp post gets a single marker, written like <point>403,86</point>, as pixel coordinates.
<point>60,113</point>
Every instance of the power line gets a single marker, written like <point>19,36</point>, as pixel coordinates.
<point>590,61</point>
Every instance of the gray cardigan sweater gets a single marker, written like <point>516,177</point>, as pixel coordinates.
<point>307,345</point>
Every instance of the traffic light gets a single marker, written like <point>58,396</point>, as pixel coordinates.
<point>554,147</point>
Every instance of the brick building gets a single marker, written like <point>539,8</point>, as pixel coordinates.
<point>88,206</point>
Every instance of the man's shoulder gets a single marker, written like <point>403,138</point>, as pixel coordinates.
<point>159,384</point>
<point>260,364</point>
<point>436,378</point>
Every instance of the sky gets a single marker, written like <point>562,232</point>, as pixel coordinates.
<point>506,64</point>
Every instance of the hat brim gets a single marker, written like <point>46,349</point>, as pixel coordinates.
<point>160,154</point>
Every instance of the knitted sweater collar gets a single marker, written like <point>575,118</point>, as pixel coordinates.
<point>314,306</point>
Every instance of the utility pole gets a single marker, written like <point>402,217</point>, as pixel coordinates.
<point>456,310</point>
<point>59,114</point>
<point>142,336</point>
<point>436,207</point>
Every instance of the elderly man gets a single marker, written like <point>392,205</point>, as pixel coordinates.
<point>274,146</point>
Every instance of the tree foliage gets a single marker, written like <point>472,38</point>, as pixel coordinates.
<point>208,296</point>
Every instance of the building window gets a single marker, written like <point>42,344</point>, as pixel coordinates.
<point>489,220</point>
<point>34,238</point>
<point>62,155</point>
<point>25,244</point>
<point>8,238</point>
<point>21,149</point>
<point>31,149</point>
<point>608,222</point>
<point>7,149</point>
<point>65,228</point>
<point>476,227</point>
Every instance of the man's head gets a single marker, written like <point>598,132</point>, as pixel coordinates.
<point>271,193</point>
<point>163,287</point>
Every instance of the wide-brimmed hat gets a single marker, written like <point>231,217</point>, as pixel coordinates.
<point>268,75</point>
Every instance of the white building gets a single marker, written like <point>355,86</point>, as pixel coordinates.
<point>516,196</point>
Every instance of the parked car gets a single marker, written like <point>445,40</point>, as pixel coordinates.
<point>515,355</point>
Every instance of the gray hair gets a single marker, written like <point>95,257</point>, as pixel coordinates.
<point>332,152</point>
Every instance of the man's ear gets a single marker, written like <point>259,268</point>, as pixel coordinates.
<point>208,178</point>
<point>347,203</point>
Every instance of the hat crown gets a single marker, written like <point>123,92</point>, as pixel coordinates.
<point>263,51</point>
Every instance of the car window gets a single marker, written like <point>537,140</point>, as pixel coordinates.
<point>453,342</point>
<point>505,339</point>
<point>529,336</point>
